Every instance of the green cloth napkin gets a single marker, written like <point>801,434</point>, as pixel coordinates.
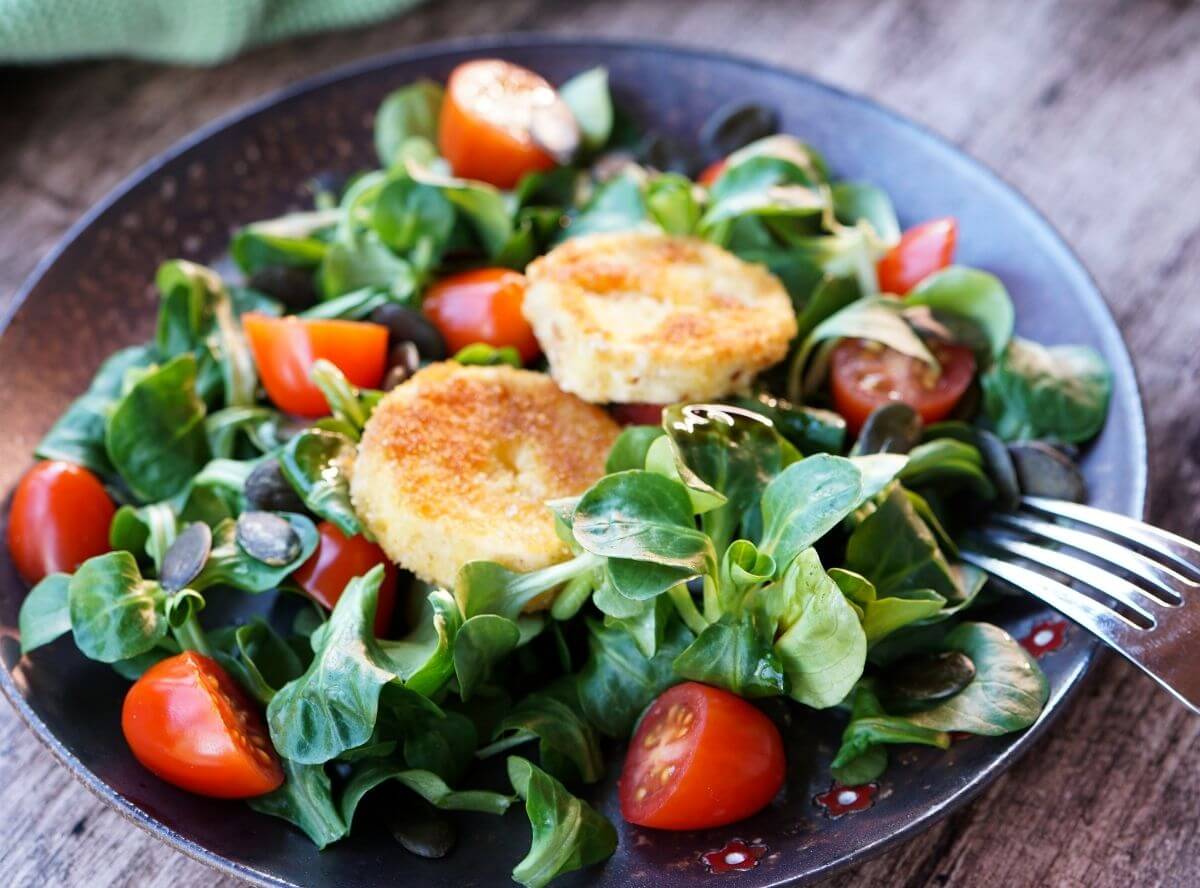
<point>178,31</point>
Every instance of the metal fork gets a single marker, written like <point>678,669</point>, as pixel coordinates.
<point>1152,576</point>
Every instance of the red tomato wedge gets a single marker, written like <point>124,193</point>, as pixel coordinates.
<point>484,127</point>
<point>700,757</point>
<point>922,250</point>
<point>337,561</point>
<point>483,305</point>
<point>864,375</point>
<point>59,519</point>
<point>712,172</point>
<point>189,723</point>
<point>286,348</point>
<point>637,414</point>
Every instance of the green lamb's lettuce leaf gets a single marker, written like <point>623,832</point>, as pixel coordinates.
<point>362,260</point>
<point>617,205</point>
<point>196,316</point>
<point>115,613</point>
<point>630,449</point>
<point>973,295</point>
<point>1007,693</point>
<point>333,706</point>
<point>370,773</point>
<point>896,551</point>
<point>732,654</point>
<point>294,239</point>
<point>763,185</point>
<point>642,516</point>
<point>316,463</point>
<point>883,616</point>
<point>412,216</point>
<point>145,531</point>
<point>482,642</point>
<point>734,452</point>
<point>155,436</point>
<point>258,657</point>
<point>618,680</point>
<point>45,613</point>
<point>1060,393</point>
<point>78,435</point>
<point>305,800</point>
<point>568,747</point>
<point>672,204</point>
<point>853,201</point>
<point>821,643</point>
<point>480,354</point>
<point>809,429</point>
<point>587,95</point>
<point>945,462</point>
<point>568,834</point>
<point>804,502</point>
<point>425,658</point>
<point>861,758</point>
<point>407,113</point>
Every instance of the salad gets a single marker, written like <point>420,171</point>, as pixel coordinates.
<point>542,439</point>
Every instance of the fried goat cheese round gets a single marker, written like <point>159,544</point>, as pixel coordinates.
<point>638,317</point>
<point>457,463</point>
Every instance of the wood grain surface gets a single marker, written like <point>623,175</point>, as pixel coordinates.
<point>1091,108</point>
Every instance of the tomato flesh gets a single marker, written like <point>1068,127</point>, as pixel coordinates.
<point>864,375</point>
<point>286,348</point>
<point>337,561</point>
<point>484,126</point>
<point>712,172</point>
<point>922,250</point>
<point>637,414</point>
<point>700,757</point>
<point>59,519</point>
<point>189,723</point>
<point>483,305</point>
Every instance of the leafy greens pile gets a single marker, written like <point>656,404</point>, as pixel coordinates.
<point>739,544</point>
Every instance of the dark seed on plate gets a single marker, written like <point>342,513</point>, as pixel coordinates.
<point>553,129</point>
<point>666,155</point>
<point>268,490</point>
<point>294,287</point>
<point>736,125</point>
<point>408,325</point>
<point>1043,470</point>
<point>185,558</point>
<point>403,362</point>
<point>891,428</point>
<point>268,538</point>
<point>424,830</point>
<point>1000,468</point>
<point>924,680</point>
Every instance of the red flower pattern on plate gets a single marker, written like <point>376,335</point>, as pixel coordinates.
<point>1044,637</point>
<point>841,800</point>
<point>736,856</point>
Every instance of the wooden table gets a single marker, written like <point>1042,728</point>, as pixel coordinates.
<point>1090,107</point>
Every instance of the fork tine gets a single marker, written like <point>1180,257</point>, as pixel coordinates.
<point>1111,585</point>
<point>1178,550</point>
<point>1172,584</point>
<point>1101,621</point>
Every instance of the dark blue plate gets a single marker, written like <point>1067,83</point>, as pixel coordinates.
<point>91,295</point>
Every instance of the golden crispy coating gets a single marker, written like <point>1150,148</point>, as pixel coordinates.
<point>655,318</point>
<point>457,463</point>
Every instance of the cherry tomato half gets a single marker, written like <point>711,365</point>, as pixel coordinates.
<point>637,414</point>
<point>189,723</point>
<point>285,349</point>
<point>864,375</point>
<point>59,519</point>
<point>701,757</point>
<point>712,172</point>
<point>337,561</point>
<point>922,250</point>
<point>484,128</point>
<point>483,305</point>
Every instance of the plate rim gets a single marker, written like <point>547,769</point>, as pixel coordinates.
<point>1124,367</point>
